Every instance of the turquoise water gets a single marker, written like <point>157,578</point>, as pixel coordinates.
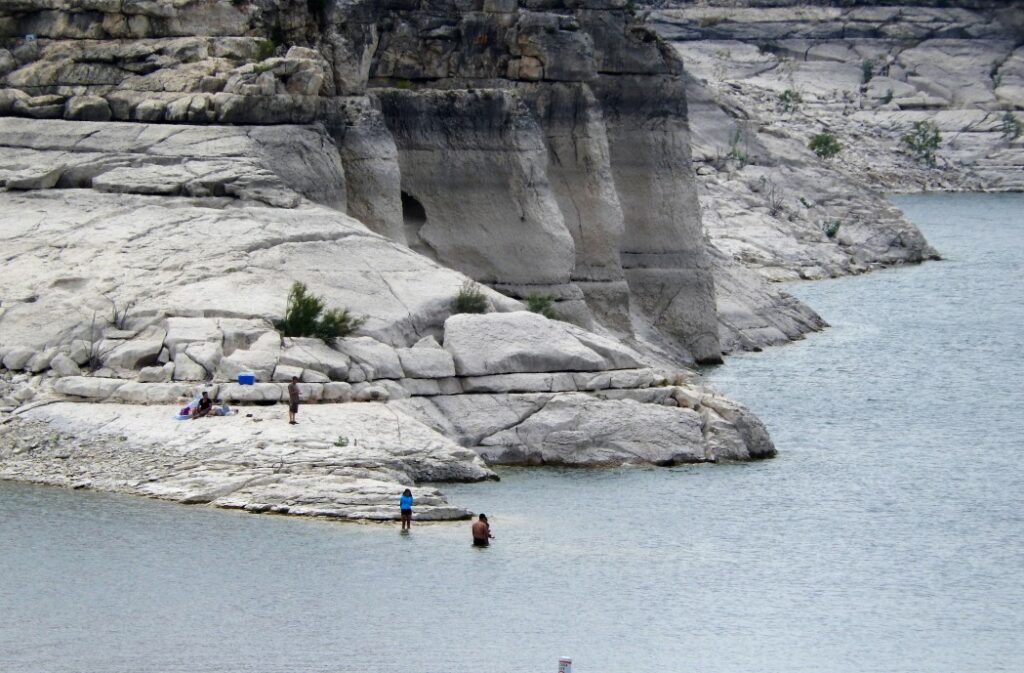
<point>888,535</point>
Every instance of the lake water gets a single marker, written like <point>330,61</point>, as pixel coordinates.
<point>888,536</point>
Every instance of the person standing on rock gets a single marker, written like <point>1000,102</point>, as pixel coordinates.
<point>293,400</point>
<point>482,532</point>
<point>405,506</point>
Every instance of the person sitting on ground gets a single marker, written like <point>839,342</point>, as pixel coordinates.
<point>204,407</point>
<point>405,506</point>
<point>482,532</point>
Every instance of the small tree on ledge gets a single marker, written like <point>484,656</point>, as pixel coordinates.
<point>305,317</point>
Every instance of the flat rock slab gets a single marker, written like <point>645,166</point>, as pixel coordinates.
<point>254,460</point>
<point>520,341</point>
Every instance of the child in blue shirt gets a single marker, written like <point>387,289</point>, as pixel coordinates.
<point>405,504</point>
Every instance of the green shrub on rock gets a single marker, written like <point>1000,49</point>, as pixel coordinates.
<point>790,99</point>
<point>544,304</point>
<point>923,141</point>
<point>825,145</point>
<point>305,317</point>
<point>470,299</point>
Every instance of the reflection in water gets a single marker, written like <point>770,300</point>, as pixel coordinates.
<point>887,536</point>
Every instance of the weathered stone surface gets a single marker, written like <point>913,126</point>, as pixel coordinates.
<point>284,373</point>
<point>62,365</point>
<point>337,391</point>
<point>89,387</point>
<point>426,362</point>
<point>262,363</point>
<point>378,360</point>
<point>259,392</point>
<point>579,430</point>
<point>18,358</point>
<point>161,374</point>
<point>500,343</point>
<point>155,393</point>
<point>314,354</point>
<point>138,352</point>
<point>520,383</point>
<point>187,369</point>
<point>236,461</point>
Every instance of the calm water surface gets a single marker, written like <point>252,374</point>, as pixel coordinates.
<point>887,537</point>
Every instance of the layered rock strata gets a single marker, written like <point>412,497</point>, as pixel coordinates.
<point>765,80</point>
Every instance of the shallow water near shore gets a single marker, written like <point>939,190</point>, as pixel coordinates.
<point>888,536</point>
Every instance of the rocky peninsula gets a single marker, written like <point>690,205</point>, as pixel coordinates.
<point>171,168</point>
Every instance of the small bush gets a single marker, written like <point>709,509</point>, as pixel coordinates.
<point>887,98</point>
<point>470,299</point>
<point>1011,127</point>
<point>543,304</point>
<point>775,197</point>
<point>995,75</point>
<point>404,84</point>
<point>832,228</point>
<point>867,70</point>
<point>790,99</point>
<point>265,49</point>
<point>923,141</point>
<point>305,317</point>
<point>825,145</point>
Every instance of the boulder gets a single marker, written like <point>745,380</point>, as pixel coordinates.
<point>260,392</point>
<point>378,360</point>
<point>41,361</point>
<point>187,369</point>
<point>284,373</point>
<point>337,391</point>
<point>183,331</point>
<point>314,354</point>
<point>260,362</point>
<point>575,429</point>
<point>87,108</point>
<point>161,374</point>
<point>18,358</point>
<point>141,351</point>
<point>63,365</point>
<point>503,343</point>
<point>367,392</point>
<point>135,392</point>
<point>206,354</point>
<point>90,387</point>
<point>35,177</point>
<point>311,376</point>
<point>426,362</point>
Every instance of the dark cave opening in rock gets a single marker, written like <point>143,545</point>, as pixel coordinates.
<point>414,217</point>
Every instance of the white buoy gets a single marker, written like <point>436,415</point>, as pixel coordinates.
<point>564,665</point>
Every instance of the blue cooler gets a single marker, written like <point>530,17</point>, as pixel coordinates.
<point>246,378</point>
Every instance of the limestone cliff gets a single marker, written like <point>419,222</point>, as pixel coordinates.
<point>170,168</point>
<point>767,77</point>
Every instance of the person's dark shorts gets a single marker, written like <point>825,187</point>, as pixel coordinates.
<point>406,512</point>
<point>477,542</point>
<point>294,407</point>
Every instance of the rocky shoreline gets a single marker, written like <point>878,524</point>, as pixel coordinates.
<point>169,169</point>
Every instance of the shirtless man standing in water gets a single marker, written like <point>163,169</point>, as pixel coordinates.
<point>482,532</point>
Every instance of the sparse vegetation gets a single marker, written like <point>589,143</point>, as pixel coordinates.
<point>470,299</point>
<point>265,49</point>
<point>404,84</point>
<point>825,145</point>
<point>790,99</point>
<point>1011,127</point>
<point>341,442</point>
<point>887,98</point>
<point>832,228</point>
<point>774,196</point>
<point>805,203</point>
<point>867,70</point>
<point>543,304</point>
<point>119,317</point>
<point>923,141</point>
<point>305,317</point>
<point>735,152</point>
<point>995,75</point>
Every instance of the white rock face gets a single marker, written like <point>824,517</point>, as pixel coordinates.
<point>426,362</point>
<point>315,355</point>
<point>579,430</point>
<point>257,463</point>
<point>89,387</point>
<point>378,360</point>
<point>501,343</point>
